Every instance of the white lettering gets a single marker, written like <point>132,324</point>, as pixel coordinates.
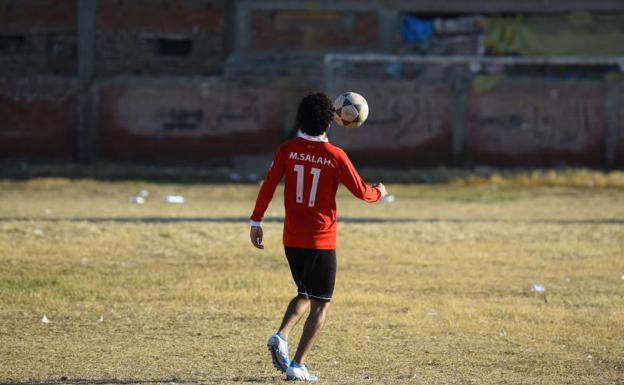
<point>310,158</point>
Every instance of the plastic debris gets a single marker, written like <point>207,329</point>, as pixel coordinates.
<point>176,199</point>
<point>537,288</point>
<point>252,177</point>
<point>388,198</point>
<point>39,232</point>
<point>101,319</point>
<point>144,193</point>
<point>474,67</point>
<point>45,319</point>
<point>459,25</point>
<point>138,200</point>
<point>394,69</point>
<point>415,30</point>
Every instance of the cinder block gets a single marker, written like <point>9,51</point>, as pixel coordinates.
<point>408,125</point>
<point>38,119</point>
<point>188,120</point>
<point>536,123</point>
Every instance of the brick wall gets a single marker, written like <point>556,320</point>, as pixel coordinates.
<point>177,37</point>
<point>38,37</point>
<point>314,30</point>
<point>38,119</point>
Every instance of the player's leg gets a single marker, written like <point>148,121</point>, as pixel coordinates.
<point>295,310</point>
<point>311,329</point>
<point>318,283</point>
<point>278,342</point>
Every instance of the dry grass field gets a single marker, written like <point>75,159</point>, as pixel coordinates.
<point>433,288</point>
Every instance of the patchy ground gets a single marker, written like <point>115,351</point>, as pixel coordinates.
<point>433,288</point>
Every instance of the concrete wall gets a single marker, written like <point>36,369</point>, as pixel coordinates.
<point>618,136</point>
<point>188,120</point>
<point>536,123</point>
<point>409,124</point>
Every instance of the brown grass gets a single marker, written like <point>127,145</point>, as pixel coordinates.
<point>437,294</point>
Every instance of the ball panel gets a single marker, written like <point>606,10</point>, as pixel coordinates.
<point>351,109</point>
<point>339,101</point>
<point>349,113</point>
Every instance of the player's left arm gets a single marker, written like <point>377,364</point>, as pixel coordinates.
<point>265,195</point>
<point>354,182</point>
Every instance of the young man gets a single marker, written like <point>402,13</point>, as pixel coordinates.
<point>312,169</point>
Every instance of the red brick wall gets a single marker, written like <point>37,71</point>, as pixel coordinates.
<point>38,119</point>
<point>46,30</point>
<point>162,16</point>
<point>536,123</point>
<point>314,30</point>
<point>44,14</point>
<point>189,121</point>
<point>128,30</point>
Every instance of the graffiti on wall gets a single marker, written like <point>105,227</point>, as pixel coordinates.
<point>187,110</point>
<point>521,118</point>
<point>400,116</point>
<point>181,119</point>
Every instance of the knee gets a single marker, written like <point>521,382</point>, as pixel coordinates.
<point>319,306</point>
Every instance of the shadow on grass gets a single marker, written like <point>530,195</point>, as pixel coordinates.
<point>607,221</point>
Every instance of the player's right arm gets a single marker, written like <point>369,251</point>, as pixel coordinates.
<point>353,181</point>
<point>265,195</point>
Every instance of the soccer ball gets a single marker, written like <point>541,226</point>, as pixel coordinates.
<point>350,110</point>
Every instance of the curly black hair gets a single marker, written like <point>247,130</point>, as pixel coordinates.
<point>315,113</point>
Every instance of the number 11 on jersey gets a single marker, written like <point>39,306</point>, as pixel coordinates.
<point>316,173</point>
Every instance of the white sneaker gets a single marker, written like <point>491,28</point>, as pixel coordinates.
<point>279,352</point>
<point>300,373</point>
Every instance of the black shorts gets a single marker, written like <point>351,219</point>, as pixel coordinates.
<point>314,271</point>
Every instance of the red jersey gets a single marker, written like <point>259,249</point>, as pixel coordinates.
<point>312,168</point>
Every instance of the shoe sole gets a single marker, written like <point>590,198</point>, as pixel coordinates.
<point>275,357</point>
<point>290,378</point>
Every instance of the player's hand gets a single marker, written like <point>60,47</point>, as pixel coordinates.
<point>382,189</point>
<point>256,236</point>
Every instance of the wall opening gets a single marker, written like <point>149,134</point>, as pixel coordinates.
<point>174,47</point>
<point>12,43</point>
